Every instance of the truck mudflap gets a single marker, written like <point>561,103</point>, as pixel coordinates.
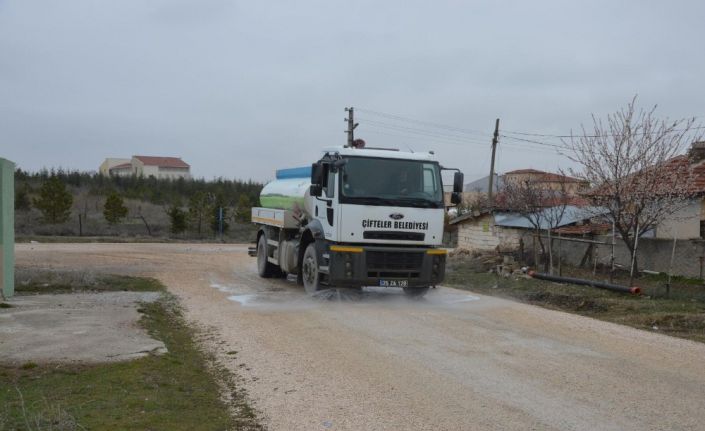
<point>371,265</point>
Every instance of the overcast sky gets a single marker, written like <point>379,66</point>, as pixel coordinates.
<point>238,89</point>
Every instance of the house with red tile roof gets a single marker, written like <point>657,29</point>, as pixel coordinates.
<point>689,221</point>
<point>159,167</point>
<point>110,163</point>
<point>546,180</point>
<point>121,170</point>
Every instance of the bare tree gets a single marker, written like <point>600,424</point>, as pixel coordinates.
<point>631,158</point>
<point>475,201</point>
<point>542,206</point>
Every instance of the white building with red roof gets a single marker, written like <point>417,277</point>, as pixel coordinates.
<point>147,166</point>
<point>161,167</point>
<point>113,162</point>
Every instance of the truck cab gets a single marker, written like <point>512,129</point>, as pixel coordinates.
<point>370,217</point>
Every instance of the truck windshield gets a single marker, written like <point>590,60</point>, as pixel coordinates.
<point>374,181</point>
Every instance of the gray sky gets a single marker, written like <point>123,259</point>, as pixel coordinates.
<point>238,89</point>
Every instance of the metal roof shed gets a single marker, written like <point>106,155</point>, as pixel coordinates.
<point>573,214</point>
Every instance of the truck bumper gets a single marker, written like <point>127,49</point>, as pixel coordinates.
<point>356,266</point>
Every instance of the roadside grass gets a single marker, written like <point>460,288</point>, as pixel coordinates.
<point>681,315</point>
<point>34,281</point>
<point>236,234</point>
<point>178,390</point>
<point>87,239</point>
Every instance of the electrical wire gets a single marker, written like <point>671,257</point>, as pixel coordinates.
<point>425,123</point>
<point>532,141</point>
<point>544,135</point>
<point>505,133</point>
<point>431,140</point>
<point>441,135</point>
<point>422,130</point>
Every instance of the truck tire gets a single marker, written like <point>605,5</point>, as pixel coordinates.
<point>415,292</point>
<point>309,270</point>
<point>265,268</point>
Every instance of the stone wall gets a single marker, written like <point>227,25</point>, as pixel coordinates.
<point>653,254</point>
<point>482,234</point>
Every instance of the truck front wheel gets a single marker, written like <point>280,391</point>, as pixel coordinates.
<point>309,270</point>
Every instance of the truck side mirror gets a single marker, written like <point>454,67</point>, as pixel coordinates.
<point>316,190</point>
<point>317,174</point>
<point>455,198</point>
<point>458,182</point>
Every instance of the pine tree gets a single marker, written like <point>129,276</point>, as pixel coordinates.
<point>54,201</point>
<point>178,219</point>
<point>199,210</point>
<point>114,210</point>
<point>244,209</point>
<point>22,201</point>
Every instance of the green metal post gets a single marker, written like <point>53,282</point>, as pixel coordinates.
<point>7,227</point>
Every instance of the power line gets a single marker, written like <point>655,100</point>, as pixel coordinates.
<point>454,139</point>
<point>563,147</point>
<point>425,123</point>
<point>439,140</point>
<point>455,129</point>
<point>544,135</point>
<point>434,132</point>
<point>443,135</point>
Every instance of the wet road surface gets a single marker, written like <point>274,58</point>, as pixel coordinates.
<point>450,361</point>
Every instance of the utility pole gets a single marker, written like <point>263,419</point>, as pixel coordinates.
<point>351,126</point>
<point>495,138</point>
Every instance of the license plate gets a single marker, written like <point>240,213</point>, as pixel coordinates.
<point>394,283</point>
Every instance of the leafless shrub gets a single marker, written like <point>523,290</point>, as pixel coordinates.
<point>543,207</point>
<point>631,159</point>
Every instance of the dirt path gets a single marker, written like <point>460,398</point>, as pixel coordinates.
<point>451,361</point>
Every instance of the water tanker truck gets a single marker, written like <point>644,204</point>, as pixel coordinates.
<point>356,217</point>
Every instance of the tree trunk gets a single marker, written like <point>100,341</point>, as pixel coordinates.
<point>543,251</point>
<point>630,241</point>
<point>550,252</point>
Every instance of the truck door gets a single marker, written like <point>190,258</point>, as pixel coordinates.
<point>325,208</point>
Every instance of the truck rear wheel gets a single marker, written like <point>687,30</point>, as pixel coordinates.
<point>415,292</point>
<point>265,268</point>
<point>309,270</point>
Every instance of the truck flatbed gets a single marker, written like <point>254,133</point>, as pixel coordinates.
<point>275,217</point>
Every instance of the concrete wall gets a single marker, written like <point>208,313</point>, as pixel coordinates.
<point>482,234</point>
<point>653,254</point>
<point>7,227</point>
<point>122,172</point>
<point>109,163</point>
<point>174,173</point>
<point>685,224</point>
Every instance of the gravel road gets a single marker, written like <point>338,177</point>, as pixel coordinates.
<point>451,361</point>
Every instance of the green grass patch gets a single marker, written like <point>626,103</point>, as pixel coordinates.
<point>174,391</point>
<point>89,239</point>
<point>682,314</point>
<point>33,281</point>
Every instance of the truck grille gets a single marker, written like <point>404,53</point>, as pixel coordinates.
<point>398,236</point>
<point>394,264</point>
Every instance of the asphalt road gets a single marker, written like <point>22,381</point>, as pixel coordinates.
<point>451,361</point>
